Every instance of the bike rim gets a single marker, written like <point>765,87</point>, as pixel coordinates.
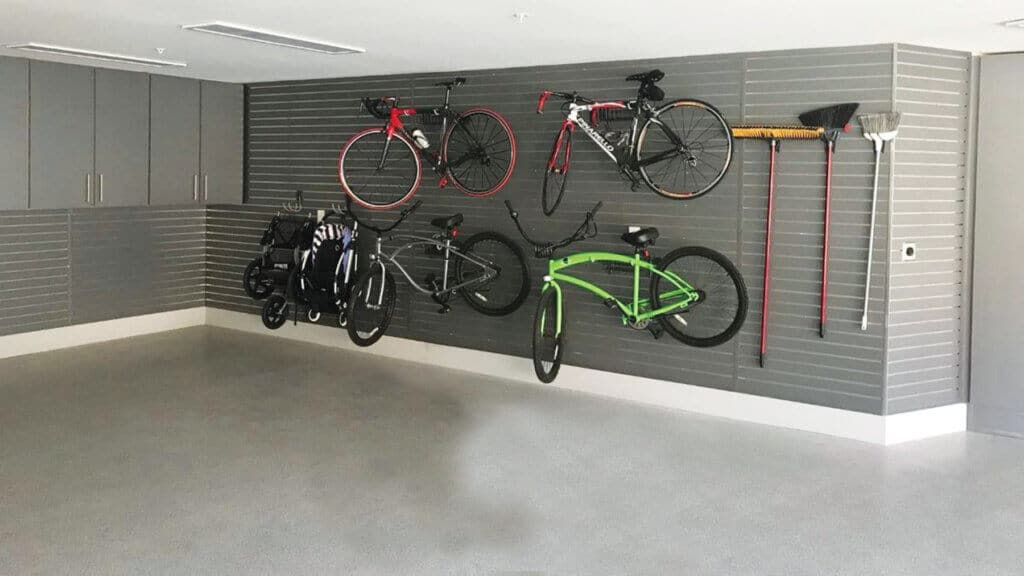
<point>371,307</point>
<point>369,185</point>
<point>480,151</point>
<point>704,159</point>
<point>504,289</point>
<point>547,341</point>
<point>718,307</point>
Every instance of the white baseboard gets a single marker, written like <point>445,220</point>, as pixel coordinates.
<point>885,430</point>
<point>93,332</point>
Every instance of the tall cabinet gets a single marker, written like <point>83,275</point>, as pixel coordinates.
<point>122,138</point>
<point>174,140</point>
<point>13,134</point>
<point>221,129</point>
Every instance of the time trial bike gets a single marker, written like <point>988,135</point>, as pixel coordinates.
<point>681,150</point>
<point>380,169</point>
<point>695,293</point>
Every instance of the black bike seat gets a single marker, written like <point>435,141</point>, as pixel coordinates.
<point>646,77</point>
<point>447,223</point>
<point>452,83</point>
<point>641,238</point>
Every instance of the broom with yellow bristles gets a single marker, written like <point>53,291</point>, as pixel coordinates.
<point>773,134</point>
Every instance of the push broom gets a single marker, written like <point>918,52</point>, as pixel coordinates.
<point>835,120</point>
<point>879,129</point>
<point>773,135</point>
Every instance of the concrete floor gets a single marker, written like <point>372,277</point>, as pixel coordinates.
<point>206,451</point>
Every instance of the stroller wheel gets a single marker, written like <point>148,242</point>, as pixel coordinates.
<point>255,284</point>
<point>275,312</point>
<point>313,316</point>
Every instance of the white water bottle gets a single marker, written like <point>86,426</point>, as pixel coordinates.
<point>420,139</point>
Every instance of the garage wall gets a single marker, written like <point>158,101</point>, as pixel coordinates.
<point>296,129</point>
<point>61,267</point>
<point>930,203</point>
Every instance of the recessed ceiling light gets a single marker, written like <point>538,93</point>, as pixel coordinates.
<point>274,38</point>
<point>93,54</point>
<point>1018,23</point>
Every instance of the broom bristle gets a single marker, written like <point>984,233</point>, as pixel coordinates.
<point>830,117</point>
<point>778,132</point>
<point>879,123</point>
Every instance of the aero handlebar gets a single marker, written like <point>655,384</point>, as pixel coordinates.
<point>588,229</point>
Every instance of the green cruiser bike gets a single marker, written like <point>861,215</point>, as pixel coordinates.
<point>695,294</point>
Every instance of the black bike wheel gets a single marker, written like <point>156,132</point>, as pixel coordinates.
<point>503,294</point>
<point>548,348</point>
<point>275,312</point>
<point>556,178</point>
<point>255,284</point>
<point>719,312</point>
<point>369,309</point>
<point>480,152</point>
<point>690,170</point>
<point>374,186</point>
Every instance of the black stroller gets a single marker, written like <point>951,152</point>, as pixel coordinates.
<point>281,245</point>
<point>327,265</point>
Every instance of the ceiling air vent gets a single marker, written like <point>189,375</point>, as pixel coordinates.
<point>93,55</point>
<point>268,37</point>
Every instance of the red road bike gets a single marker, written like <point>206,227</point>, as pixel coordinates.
<point>380,168</point>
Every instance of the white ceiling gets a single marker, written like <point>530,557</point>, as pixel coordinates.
<point>422,35</point>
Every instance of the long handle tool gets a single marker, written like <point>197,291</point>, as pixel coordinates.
<point>879,129</point>
<point>773,134</point>
<point>835,120</point>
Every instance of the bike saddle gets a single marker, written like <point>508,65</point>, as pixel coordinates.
<point>447,223</point>
<point>646,77</point>
<point>642,238</point>
<point>452,83</point>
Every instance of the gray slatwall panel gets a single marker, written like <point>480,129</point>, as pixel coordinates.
<point>297,128</point>
<point>60,267</point>
<point>933,93</point>
<point>34,260</point>
<point>131,261</point>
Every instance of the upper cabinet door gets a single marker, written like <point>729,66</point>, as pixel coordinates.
<point>122,138</point>
<point>62,131</point>
<point>13,134</point>
<point>221,127</point>
<point>174,141</point>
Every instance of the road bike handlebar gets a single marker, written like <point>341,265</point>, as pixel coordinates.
<point>588,229</point>
<point>568,96</point>
<point>379,230</point>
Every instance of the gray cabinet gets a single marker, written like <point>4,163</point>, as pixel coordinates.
<point>221,143</point>
<point>174,141</point>
<point>122,138</point>
<point>61,129</point>
<point>13,134</point>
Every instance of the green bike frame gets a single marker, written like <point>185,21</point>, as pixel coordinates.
<point>639,309</point>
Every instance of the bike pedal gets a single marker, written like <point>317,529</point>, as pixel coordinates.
<point>610,303</point>
<point>656,330</point>
<point>444,309</point>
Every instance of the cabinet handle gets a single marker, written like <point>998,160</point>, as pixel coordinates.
<point>195,187</point>
<point>88,188</point>
<point>206,187</point>
<point>101,189</point>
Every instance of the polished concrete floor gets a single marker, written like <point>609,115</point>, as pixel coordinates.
<point>206,451</point>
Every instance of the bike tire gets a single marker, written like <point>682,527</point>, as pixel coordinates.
<point>707,136</point>
<point>555,179</point>
<point>548,349</point>
<point>475,132</point>
<point>513,270</point>
<point>255,286</point>
<point>368,185</point>
<point>720,313</point>
<point>368,321</point>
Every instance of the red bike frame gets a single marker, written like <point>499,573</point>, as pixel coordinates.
<point>569,125</point>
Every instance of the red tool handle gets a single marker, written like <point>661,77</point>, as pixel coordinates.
<point>829,150</point>
<point>543,98</point>
<point>768,252</point>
